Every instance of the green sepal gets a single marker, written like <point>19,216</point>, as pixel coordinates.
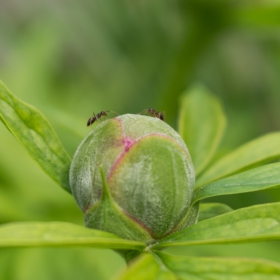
<point>190,218</point>
<point>108,216</point>
<point>158,199</point>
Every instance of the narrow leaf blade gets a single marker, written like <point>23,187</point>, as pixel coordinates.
<point>194,268</point>
<point>258,151</point>
<point>201,125</point>
<point>251,224</point>
<point>60,234</point>
<point>36,135</point>
<point>210,210</point>
<point>261,178</point>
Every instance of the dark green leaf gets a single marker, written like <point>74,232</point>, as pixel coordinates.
<point>201,125</point>
<point>36,135</point>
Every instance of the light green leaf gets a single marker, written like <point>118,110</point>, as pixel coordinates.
<point>201,125</point>
<point>36,135</point>
<point>210,210</point>
<point>258,151</point>
<point>195,268</point>
<point>60,234</point>
<point>257,179</point>
<point>256,223</point>
<point>148,268</point>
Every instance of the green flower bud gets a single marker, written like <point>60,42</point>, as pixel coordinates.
<point>133,176</point>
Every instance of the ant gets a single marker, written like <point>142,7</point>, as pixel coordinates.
<point>96,117</point>
<point>154,113</point>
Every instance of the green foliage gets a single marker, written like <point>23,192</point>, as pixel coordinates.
<point>217,268</point>
<point>257,179</point>
<point>218,223</point>
<point>204,132</point>
<point>163,266</point>
<point>210,210</point>
<point>146,267</point>
<point>261,150</point>
<point>36,135</point>
<point>255,223</point>
<point>127,56</point>
<point>59,234</point>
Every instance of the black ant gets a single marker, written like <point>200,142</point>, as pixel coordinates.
<point>154,113</point>
<point>96,117</point>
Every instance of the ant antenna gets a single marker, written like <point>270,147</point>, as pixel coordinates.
<point>113,112</point>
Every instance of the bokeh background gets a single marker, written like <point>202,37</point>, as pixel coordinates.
<point>71,58</point>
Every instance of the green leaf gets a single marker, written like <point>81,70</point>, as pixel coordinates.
<point>201,125</point>
<point>60,234</point>
<point>195,268</point>
<point>146,267</point>
<point>2,120</point>
<point>257,179</point>
<point>36,135</point>
<point>161,266</point>
<point>210,210</point>
<point>256,223</point>
<point>256,152</point>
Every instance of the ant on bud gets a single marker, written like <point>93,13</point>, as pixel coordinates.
<point>154,113</point>
<point>96,117</point>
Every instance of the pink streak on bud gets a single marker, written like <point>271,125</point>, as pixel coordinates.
<point>127,143</point>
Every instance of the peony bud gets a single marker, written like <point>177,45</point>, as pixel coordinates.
<point>133,176</point>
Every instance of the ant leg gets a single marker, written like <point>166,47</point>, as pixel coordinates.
<point>161,116</point>
<point>143,112</point>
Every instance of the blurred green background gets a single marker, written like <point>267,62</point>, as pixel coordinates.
<point>72,58</point>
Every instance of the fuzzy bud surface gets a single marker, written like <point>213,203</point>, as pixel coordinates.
<point>133,176</point>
